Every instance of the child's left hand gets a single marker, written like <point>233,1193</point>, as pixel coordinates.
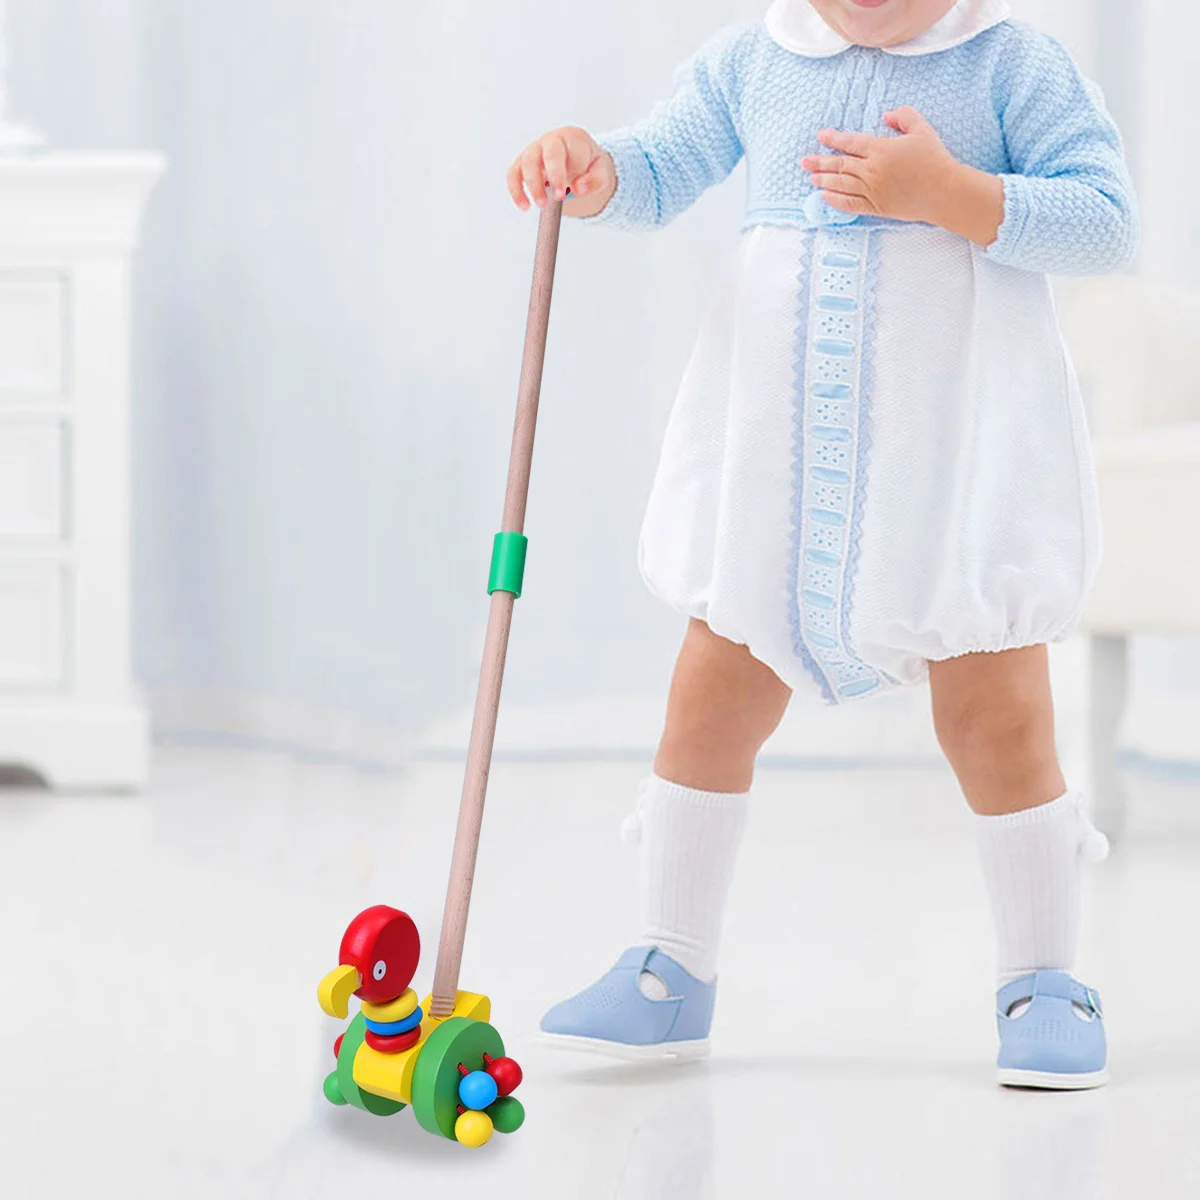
<point>908,178</point>
<point>905,178</point>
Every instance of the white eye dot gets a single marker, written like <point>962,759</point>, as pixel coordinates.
<point>380,969</point>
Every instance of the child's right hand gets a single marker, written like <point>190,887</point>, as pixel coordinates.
<point>564,158</point>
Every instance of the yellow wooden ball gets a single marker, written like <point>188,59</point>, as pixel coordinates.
<point>473,1128</point>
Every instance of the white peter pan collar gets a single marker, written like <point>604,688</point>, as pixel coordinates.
<point>798,27</point>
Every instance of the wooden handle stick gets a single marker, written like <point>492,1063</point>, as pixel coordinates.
<point>495,646</point>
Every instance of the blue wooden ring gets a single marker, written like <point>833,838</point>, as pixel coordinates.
<point>392,1028</point>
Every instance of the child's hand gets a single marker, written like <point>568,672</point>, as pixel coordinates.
<point>909,178</point>
<point>564,158</point>
<point>903,178</point>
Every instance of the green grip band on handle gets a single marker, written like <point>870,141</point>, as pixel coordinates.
<point>508,563</point>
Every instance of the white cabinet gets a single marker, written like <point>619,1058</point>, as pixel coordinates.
<point>68,707</point>
<point>32,642</point>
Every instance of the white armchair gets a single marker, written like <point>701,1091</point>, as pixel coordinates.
<point>1136,346</point>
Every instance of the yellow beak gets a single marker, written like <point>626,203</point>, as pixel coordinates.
<point>335,990</point>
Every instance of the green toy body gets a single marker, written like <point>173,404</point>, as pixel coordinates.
<point>340,1087</point>
<point>459,1044</point>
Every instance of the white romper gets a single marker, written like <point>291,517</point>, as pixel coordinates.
<point>878,455</point>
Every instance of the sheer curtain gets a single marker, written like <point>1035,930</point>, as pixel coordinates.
<point>331,297</point>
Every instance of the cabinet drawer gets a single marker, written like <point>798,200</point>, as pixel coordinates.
<point>32,624</point>
<point>33,311</point>
<point>32,476</point>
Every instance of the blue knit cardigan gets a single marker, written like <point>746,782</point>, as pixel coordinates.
<point>1009,101</point>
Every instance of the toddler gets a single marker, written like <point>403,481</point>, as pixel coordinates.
<point>877,468</point>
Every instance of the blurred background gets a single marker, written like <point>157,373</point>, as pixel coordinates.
<point>327,305</point>
<point>328,317</point>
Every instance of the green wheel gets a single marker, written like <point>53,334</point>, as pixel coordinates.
<point>436,1074</point>
<point>351,1093</point>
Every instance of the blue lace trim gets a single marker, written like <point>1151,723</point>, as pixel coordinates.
<point>866,401</point>
<point>831,441</point>
<point>804,292</point>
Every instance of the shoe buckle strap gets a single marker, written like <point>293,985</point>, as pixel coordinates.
<point>1057,984</point>
<point>1066,987</point>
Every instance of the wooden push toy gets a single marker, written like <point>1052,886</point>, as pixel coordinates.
<point>451,1068</point>
<point>442,1057</point>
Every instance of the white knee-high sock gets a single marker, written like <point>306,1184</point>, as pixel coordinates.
<point>689,843</point>
<point>1032,867</point>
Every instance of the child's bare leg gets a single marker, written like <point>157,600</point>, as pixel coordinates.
<point>722,707</point>
<point>658,998</point>
<point>994,717</point>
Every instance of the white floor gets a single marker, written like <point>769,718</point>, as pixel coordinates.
<point>161,1037</point>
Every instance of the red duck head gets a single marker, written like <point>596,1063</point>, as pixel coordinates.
<point>378,958</point>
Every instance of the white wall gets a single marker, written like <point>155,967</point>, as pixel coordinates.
<point>331,303</point>
<point>331,299</point>
<point>1170,163</point>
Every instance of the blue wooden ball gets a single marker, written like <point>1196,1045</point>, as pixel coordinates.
<point>477,1090</point>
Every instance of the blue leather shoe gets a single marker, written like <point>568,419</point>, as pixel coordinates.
<point>613,1016</point>
<point>1051,1033</point>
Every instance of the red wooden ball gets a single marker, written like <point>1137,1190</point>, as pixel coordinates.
<point>507,1074</point>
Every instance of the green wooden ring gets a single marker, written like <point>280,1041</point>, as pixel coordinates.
<point>436,1075</point>
<point>381,1106</point>
<point>507,572</point>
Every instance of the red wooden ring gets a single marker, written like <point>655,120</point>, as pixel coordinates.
<point>392,1045</point>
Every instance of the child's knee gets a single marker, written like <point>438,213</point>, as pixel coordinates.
<point>1000,734</point>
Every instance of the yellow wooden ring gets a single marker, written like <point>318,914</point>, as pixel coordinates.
<point>396,1010</point>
